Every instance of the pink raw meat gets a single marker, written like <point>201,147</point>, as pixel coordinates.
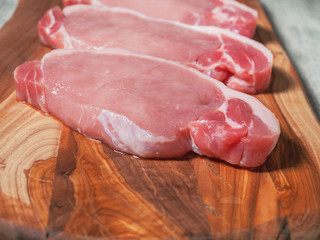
<point>241,63</point>
<point>227,14</point>
<point>148,106</point>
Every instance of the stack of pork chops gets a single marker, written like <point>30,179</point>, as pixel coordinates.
<point>156,79</point>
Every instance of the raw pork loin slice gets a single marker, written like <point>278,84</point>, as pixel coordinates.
<point>241,63</point>
<point>227,14</point>
<point>148,106</point>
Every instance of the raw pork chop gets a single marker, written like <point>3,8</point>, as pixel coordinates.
<point>241,63</point>
<point>148,106</point>
<point>226,14</point>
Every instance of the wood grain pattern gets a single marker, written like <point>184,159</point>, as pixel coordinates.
<point>57,184</point>
<point>29,140</point>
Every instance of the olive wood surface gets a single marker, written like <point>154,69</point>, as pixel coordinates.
<point>55,183</point>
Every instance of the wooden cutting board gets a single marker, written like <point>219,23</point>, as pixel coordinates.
<point>55,183</point>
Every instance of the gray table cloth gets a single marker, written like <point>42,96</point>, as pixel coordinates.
<point>297,25</point>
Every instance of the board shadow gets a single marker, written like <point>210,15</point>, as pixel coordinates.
<point>289,153</point>
<point>280,81</point>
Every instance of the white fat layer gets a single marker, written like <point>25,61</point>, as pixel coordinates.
<point>218,13</point>
<point>97,3</point>
<point>227,57</point>
<point>223,108</point>
<point>52,22</point>
<point>209,30</point>
<point>240,82</point>
<point>253,67</point>
<point>43,96</point>
<point>236,66</point>
<point>262,112</point>
<point>126,135</point>
<point>194,147</point>
<point>228,4</point>
<point>242,7</point>
<point>258,108</point>
<point>67,43</point>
